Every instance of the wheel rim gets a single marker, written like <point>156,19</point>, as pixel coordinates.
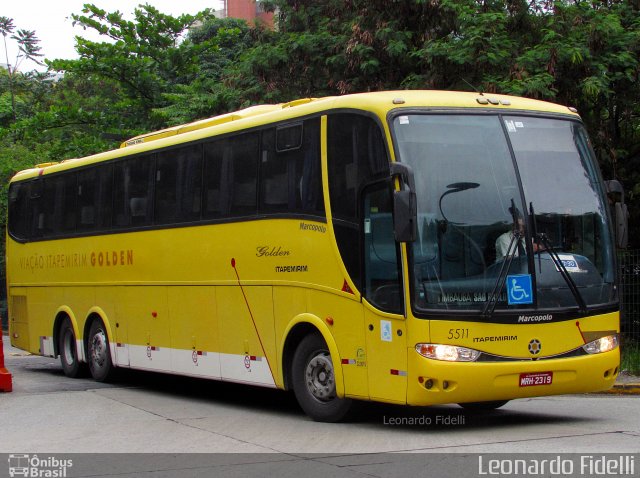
<point>68,346</point>
<point>98,349</point>
<point>319,377</point>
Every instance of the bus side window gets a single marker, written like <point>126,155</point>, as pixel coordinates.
<point>356,155</point>
<point>178,185</point>
<point>54,207</point>
<point>231,176</point>
<point>244,176</point>
<point>104,197</point>
<point>213,179</point>
<point>274,196</point>
<point>49,219</point>
<point>290,172</point>
<point>66,203</point>
<point>382,284</point>
<point>18,201</point>
<point>131,205</point>
<point>308,180</point>
<point>35,212</point>
<point>88,188</point>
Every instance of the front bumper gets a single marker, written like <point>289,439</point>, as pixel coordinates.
<point>437,382</point>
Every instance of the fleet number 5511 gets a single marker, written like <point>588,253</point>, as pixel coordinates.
<point>458,334</point>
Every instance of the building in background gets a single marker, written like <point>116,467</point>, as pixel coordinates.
<point>249,10</point>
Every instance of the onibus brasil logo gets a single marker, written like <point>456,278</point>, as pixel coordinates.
<point>34,466</point>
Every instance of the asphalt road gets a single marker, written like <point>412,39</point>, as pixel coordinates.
<point>155,413</point>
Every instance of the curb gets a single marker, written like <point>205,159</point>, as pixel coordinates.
<point>630,388</point>
<point>626,388</point>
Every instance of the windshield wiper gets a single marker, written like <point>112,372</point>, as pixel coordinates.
<point>541,237</point>
<point>516,237</point>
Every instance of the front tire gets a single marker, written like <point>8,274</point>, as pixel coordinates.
<point>68,349</point>
<point>314,381</point>
<point>99,354</point>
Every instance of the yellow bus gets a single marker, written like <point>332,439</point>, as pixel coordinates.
<point>408,247</point>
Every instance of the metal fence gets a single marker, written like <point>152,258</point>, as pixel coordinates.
<point>629,263</point>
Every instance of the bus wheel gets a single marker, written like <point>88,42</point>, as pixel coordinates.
<point>483,405</point>
<point>314,381</point>
<point>68,349</point>
<point>99,355</point>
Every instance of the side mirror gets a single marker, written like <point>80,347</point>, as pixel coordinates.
<point>405,215</point>
<point>621,225</point>
<point>619,212</point>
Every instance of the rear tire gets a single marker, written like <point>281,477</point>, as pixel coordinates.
<point>314,381</point>
<point>68,349</point>
<point>480,406</point>
<point>99,354</point>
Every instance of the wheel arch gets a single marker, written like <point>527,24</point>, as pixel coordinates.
<point>301,326</point>
<point>96,313</point>
<point>64,312</point>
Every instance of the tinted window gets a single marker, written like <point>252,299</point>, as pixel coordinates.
<point>94,198</point>
<point>178,185</point>
<point>132,188</point>
<point>356,156</point>
<point>35,210</point>
<point>291,180</point>
<point>382,284</point>
<point>65,208</point>
<point>18,200</point>
<point>231,176</point>
<point>54,208</point>
<point>289,137</point>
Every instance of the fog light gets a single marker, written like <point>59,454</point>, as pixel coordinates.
<point>428,384</point>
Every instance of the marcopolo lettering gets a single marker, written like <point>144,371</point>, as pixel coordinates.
<point>304,226</point>
<point>535,318</point>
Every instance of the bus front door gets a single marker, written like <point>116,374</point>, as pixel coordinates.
<point>383,298</point>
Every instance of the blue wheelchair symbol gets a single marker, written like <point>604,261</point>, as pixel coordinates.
<point>519,289</point>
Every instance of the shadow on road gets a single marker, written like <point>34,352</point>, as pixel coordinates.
<point>41,374</point>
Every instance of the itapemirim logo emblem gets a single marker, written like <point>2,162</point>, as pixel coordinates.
<point>34,466</point>
<point>535,347</point>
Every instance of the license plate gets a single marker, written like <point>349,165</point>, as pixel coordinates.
<point>534,379</point>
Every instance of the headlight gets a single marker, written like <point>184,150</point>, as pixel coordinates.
<point>449,353</point>
<point>603,344</point>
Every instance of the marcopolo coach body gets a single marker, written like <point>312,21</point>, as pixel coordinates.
<point>412,247</point>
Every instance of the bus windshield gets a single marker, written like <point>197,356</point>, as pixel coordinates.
<point>502,198</point>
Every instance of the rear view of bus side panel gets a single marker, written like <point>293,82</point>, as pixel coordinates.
<point>19,318</point>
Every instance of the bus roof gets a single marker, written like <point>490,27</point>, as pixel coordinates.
<point>379,103</point>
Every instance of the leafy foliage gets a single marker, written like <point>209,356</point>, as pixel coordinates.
<point>155,70</point>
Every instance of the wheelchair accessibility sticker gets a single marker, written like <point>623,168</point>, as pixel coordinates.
<point>519,289</point>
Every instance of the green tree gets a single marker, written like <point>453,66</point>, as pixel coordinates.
<point>146,57</point>
<point>224,41</point>
<point>157,70</point>
<point>28,49</point>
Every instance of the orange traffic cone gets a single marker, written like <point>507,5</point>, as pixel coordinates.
<point>5,376</point>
